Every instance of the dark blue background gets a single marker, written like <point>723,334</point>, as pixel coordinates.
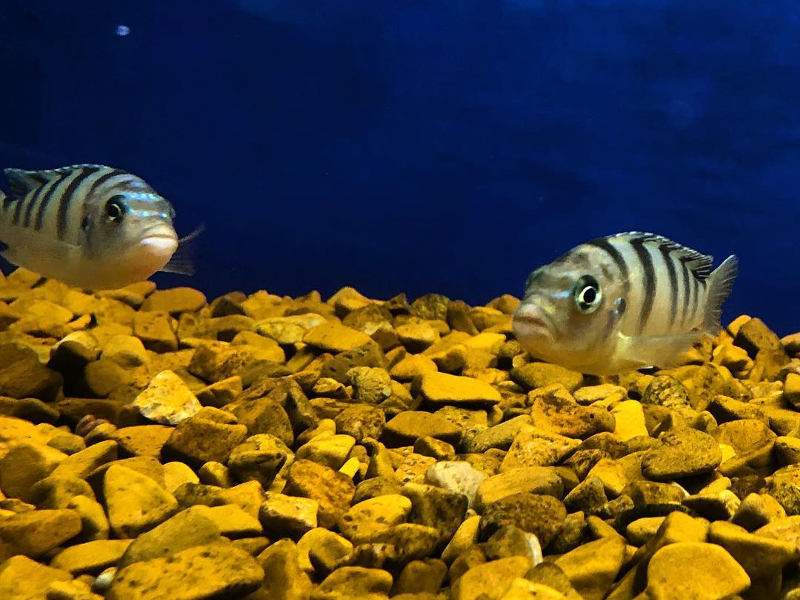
<point>415,146</point>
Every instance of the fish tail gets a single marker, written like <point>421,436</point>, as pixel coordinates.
<point>720,286</point>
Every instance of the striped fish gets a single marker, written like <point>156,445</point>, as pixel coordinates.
<point>93,226</point>
<point>622,302</point>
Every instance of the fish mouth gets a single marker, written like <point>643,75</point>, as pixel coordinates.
<point>533,320</point>
<point>160,240</point>
<point>160,233</point>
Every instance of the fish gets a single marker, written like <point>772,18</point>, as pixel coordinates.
<point>622,302</point>
<point>88,225</point>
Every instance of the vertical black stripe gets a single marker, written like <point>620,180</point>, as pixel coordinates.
<point>32,200</point>
<point>696,298</point>
<point>67,197</point>
<point>18,209</point>
<point>617,257</point>
<point>673,283</point>
<point>649,281</point>
<point>103,178</point>
<point>48,195</point>
<point>687,290</point>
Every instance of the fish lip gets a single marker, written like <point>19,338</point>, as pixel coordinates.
<point>160,234</point>
<point>533,316</point>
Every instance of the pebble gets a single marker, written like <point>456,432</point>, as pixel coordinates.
<point>442,388</point>
<point>759,556</point>
<point>361,421</point>
<point>263,415</point>
<point>142,440</point>
<point>417,336</point>
<point>371,385</point>
<point>320,550</point>
<point>333,337</point>
<point>90,557</point>
<point>694,570</point>
<point>536,480</point>
<point>357,582</point>
<point>435,448</point>
<point>35,532</point>
<point>629,420</point>
<point>175,300</point>
<point>331,450</point>
<point>534,446</point>
<point>283,576</point>
<point>554,408</point>
<point>683,453</point>
<point>156,330</point>
<point>364,520</point>
<point>125,350</point>
<point>284,515</point>
<point>591,568</point>
<point>259,458</point>
<point>435,507</point>
<point>226,571</point>
<point>333,491</point>
<point>410,425</point>
<point>167,400</point>
<point>491,579</point>
<point>456,476</point>
<point>197,440</point>
<point>499,436</point>
<point>25,464</point>
<point>135,502</point>
<point>538,375</point>
<point>539,514</point>
<point>186,529</point>
<point>24,579</point>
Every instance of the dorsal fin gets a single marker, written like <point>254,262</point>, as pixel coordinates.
<point>699,264</point>
<point>21,182</point>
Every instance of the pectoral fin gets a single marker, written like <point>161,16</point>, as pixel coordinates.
<point>655,351</point>
<point>182,261</point>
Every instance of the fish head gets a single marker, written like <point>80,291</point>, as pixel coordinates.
<point>131,226</point>
<point>571,310</point>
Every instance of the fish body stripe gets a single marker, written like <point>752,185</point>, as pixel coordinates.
<point>648,283</point>
<point>68,199</point>
<point>55,192</point>
<point>29,201</point>
<point>696,304</point>
<point>687,291</point>
<point>666,256</point>
<point>617,257</point>
<point>108,173</point>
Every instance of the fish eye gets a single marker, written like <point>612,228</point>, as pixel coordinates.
<point>587,295</point>
<point>115,209</point>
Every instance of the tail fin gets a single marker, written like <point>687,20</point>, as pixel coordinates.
<point>720,284</point>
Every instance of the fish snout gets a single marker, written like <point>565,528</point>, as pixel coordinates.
<point>530,320</point>
<point>160,239</point>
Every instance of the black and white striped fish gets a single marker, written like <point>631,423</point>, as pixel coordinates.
<point>93,226</point>
<point>622,302</point>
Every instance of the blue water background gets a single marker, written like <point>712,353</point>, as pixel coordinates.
<point>415,146</point>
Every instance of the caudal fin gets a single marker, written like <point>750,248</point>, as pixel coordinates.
<point>720,284</point>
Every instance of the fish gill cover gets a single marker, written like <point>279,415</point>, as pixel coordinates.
<point>425,146</point>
